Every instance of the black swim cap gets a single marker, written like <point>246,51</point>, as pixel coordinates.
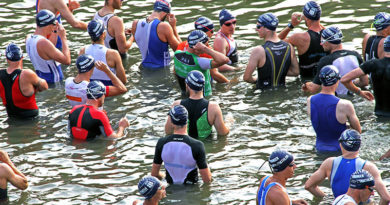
<point>312,10</point>
<point>197,36</point>
<point>381,21</point>
<point>361,179</point>
<point>95,29</point>
<point>13,52</point>
<point>179,115</point>
<point>195,80</point>
<point>45,18</point>
<point>204,24</point>
<point>350,140</point>
<point>95,90</point>
<point>85,63</point>
<point>329,75</point>
<point>268,20</point>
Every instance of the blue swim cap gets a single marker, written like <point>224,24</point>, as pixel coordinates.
<point>13,52</point>
<point>333,35</point>
<point>95,90</point>
<point>197,36</point>
<point>225,15</point>
<point>95,29</point>
<point>162,5</point>
<point>268,20</point>
<point>361,179</point>
<point>386,44</point>
<point>179,115</point>
<point>381,21</point>
<point>329,75</point>
<point>279,160</point>
<point>204,24</point>
<point>350,140</point>
<point>45,18</point>
<point>148,186</point>
<point>312,10</point>
<point>195,80</point>
<point>85,63</point>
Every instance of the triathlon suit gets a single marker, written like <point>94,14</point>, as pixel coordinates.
<point>181,155</point>
<point>309,60</point>
<point>17,105</point>
<point>324,121</point>
<point>343,199</point>
<point>186,62</point>
<point>232,52</point>
<point>76,93</point>
<point>277,63</point>
<point>371,51</point>
<point>345,61</point>
<point>342,170</point>
<point>155,53</point>
<point>58,15</point>
<point>379,69</point>
<point>3,195</point>
<point>46,69</point>
<point>98,52</point>
<point>198,123</point>
<point>263,191</point>
<point>86,122</point>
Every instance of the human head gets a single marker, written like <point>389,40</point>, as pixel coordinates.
<point>45,18</point>
<point>85,63</point>
<point>362,181</point>
<point>162,5</point>
<point>179,115</point>
<point>13,52</point>
<point>95,29</point>
<point>205,24</point>
<point>386,44</point>
<point>329,75</point>
<point>350,140</point>
<point>381,21</point>
<point>312,11</point>
<point>332,35</point>
<point>279,160</point>
<point>195,80</point>
<point>197,36</point>
<point>268,20</point>
<point>149,186</point>
<point>95,90</point>
<point>116,4</point>
<point>225,15</point>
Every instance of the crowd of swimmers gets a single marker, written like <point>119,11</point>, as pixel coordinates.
<point>322,63</point>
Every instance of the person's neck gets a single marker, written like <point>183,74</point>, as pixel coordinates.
<point>180,131</point>
<point>337,48</point>
<point>279,178</point>
<point>315,26</point>
<point>82,77</point>
<point>99,42</point>
<point>271,36</point>
<point>226,34</point>
<point>354,194</point>
<point>196,95</point>
<point>41,32</point>
<point>12,67</point>
<point>107,9</point>
<point>150,202</point>
<point>350,155</point>
<point>329,90</point>
<point>381,33</point>
<point>155,15</point>
<point>92,102</point>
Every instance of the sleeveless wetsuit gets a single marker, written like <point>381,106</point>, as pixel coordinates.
<point>3,195</point>
<point>309,60</point>
<point>343,199</point>
<point>58,15</point>
<point>324,121</point>
<point>371,51</point>
<point>86,122</point>
<point>277,63</point>
<point>342,170</point>
<point>98,52</point>
<point>181,155</point>
<point>186,62</point>
<point>232,52</point>
<point>263,191</point>
<point>198,123</point>
<point>46,69</point>
<point>155,53</point>
<point>17,105</point>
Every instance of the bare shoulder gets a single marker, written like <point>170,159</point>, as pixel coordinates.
<point>327,164</point>
<point>343,103</point>
<point>176,102</point>
<point>299,38</point>
<point>277,195</point>
<point>28,73</point>
<point>214,106</point>
<point>116,20</point>
<point>112,52</point>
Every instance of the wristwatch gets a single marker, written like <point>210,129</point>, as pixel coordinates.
<point>290,25</point>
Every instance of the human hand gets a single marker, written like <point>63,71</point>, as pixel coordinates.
<point>128,31</point>
<point>296,18</point>
<point>367,95</point>
<point>73,5</point>
<point>386,155</point>
<point>102,66</point>
<point>200,47</point>
<point>299,202</point>
<point>172,20</point>
<point>124,123</point>
<point>61,31</point>
<point>304,87</point>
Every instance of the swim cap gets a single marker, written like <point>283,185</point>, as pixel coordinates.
<point>13,52</point>
<point>361,179</point>
<point>197,36</point>
<point>204,24</point>
<point>195,80</point>
<point>45,18</point>
<point>95,29</point>
<point>312,10</point>
<point>381,21</point>
<point>350,140</point>
<point>332,35</point>
<point>148,186</point>
<point>162,5</point>
<point>268,20</point>
<point>85,63</point>
<point>225,15</point>
<point>179,115</point>
<point>279,160</point>
<point>95,90</point>
<point>386,44</point>
<point>329,75</point>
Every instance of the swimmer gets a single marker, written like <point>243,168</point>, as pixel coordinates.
<point>153,36</point>
<point>152,190</point>
<point>307,43</point>
<point>372,46</point>
<point>202,114</point>
<point>86,122</point>
<point>18,86</point>
<point>275,56</point>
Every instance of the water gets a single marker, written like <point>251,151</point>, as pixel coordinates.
<point>61,171</point>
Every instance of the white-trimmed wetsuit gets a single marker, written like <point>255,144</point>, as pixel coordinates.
<point>46,69</point>
<point>232,52</point>
<point>155,53</point>
<point>342,170</point>
<point>99,52</point>
<point>76,93</point>
<point>343,199</point>
<point>263,191</point>
<point>105,20</point>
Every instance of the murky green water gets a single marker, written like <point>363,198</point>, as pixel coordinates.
<point>106,172</point>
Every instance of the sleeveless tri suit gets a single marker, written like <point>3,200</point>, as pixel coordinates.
<point>198,123</point>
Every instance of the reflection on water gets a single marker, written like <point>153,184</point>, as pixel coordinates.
<point>62,171</point>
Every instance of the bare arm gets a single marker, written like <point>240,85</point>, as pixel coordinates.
<point>379,185</point>
<point>257,59</point>
<point>219,124</point>
<point>48,51</point>
<point>220,45</point>
<point>118,87</point>
<point>364,44</point>
<point>206,175</point>
<point>311,87</point>
<point>32,83</point>
<point>294,67</point>
<point>218,58</point>
<point>346,80</point>
<point>66,13</point>
<point>167,35</point>
<point>172,21</point>
<point>116,61</point>
<point>156,171</point>
<point>353,120</point>
<point>116,24</point>
<point>386,155</point>
<point>319,176</point>
<point>217,76</point>
<point>11,173</point>
<point>296,18</point>
<point>277,196</point>
<point>123,123</point>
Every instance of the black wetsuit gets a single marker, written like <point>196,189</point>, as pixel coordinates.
<point>277,63</point>
<point>371,51</point>
<point>380,76</point>
<point>309,60</point>
<point>199,126</point>
<point>3,195</point>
